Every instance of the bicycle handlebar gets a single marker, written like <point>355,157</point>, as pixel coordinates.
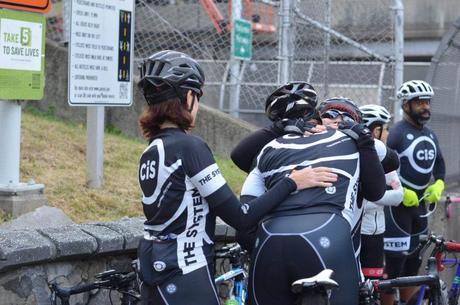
<point>406,281</point>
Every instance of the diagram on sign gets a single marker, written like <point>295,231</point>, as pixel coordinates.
<point>124,46</point>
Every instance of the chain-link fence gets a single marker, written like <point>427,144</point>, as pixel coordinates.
<point>444,76</point>
<point>342,47</point>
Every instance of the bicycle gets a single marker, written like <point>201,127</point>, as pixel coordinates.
<point>237,277</point>
<point>126,283</point>
<point>441,247</point>
<point>431,286</point>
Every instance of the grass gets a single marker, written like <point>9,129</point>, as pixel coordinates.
<point>53,153</point>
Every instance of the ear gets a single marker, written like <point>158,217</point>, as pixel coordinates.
<point>190,98</point>
<point>405,106</point>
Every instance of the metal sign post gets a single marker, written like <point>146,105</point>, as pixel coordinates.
<point>101,56</point>
<point>22,65</point>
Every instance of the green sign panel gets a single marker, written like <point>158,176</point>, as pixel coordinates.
<point>242,39</point>
<point>22,55</point>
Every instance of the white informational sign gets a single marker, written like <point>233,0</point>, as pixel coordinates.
<point>101,53</point>
<point>19,50</point>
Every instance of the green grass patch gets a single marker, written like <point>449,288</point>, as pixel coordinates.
<point>53,153</point>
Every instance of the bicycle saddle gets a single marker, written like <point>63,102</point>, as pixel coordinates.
<point>322,279</point>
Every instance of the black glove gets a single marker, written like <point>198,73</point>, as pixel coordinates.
<point>358,132</point>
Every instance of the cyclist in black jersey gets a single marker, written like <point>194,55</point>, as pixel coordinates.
<point>183,189</point>
<point>421,159</point>
<point>305,233</point>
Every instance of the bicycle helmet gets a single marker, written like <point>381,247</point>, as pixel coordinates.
<point>374,114</point>
<point>170,70</point>
<point>415,89</point>
<point>290,101</point>
<point>342,105</point>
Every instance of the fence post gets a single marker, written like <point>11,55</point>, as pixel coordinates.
<point>285,43</point>
<point>234,107</point>
<point>398,8</point>
<point>327,47</point>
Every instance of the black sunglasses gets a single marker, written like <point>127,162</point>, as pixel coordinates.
<point>333,114</point>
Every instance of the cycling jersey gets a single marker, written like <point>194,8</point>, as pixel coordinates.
<point>373,221</point>
<point>183,191</point>
<point>419,153</point>
<point>420,158</point>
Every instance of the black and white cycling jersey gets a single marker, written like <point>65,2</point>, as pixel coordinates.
<point>183,191</point>
<point>419,153</point>
<point>331,148</point>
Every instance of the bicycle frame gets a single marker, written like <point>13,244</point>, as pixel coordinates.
<point>237,276</point>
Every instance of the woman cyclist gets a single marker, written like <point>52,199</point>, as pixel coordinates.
<point>183,189</point>
<point>376,118</point>
<point>305,233</point>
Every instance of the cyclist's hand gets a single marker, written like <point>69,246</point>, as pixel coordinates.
<point>313,177</point>
<point>315,129</point>
<point>434,191</point>
<point>358,132</point>
<point>410,198</point>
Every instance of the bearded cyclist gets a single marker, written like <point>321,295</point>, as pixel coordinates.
<point>421,159</point>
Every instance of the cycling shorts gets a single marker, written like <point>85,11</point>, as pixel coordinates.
<point>403,228</point>
<point>194,288</point>
<point>372,256</point>
<point>289,248</point>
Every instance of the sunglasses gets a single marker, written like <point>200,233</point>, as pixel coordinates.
<point>333,114</point>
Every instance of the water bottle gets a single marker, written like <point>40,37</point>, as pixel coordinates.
<point>231,301</point>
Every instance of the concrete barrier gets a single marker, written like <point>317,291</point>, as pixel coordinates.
<point>70,255</point>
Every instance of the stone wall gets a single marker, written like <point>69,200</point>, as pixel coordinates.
<point>70,255</point>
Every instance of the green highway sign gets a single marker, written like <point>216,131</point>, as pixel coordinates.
<point>22,55</point>
<point>242,39</point>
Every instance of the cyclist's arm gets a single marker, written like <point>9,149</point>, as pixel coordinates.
<point>205,175</point>
<point>439,168</point>
<point>247,149</point>
<point>391,161</point>
<point>372,176</point>
<point>392,197</point>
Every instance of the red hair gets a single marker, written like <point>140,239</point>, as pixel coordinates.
<point>172,110</point>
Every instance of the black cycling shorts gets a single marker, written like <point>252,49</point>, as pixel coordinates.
<point>289,248</point>
<point>194,288</point>
<point>402,235</point>
<point>372,256</point>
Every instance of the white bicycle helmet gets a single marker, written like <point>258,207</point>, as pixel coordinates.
<point>415,89</point>
<point>374,114</point>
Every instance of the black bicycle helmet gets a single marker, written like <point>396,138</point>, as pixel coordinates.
<point>290,101</point>
<point>170,70</point>
<point>342,104</point>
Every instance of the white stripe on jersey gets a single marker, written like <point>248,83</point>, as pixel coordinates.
<point>311,162</point>
<point>190,253</point>
<point>413,186</point>
<point>208,180</point>
<point>254,184</point>
<point>165,171</point>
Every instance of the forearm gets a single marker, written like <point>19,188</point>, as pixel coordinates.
<point>244,216</point>
<point>373,184</point>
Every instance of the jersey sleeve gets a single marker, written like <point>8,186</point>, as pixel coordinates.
<point>200,166</point>
<point>439,169</point>
<point>392,197</point>
<point>394,138</point>
<point>248,148</point>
